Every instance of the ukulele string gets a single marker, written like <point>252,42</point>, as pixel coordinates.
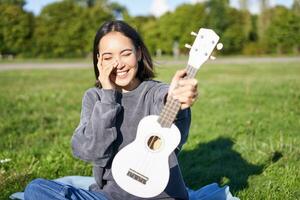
<point>171,105</point>
<point>164,122</point>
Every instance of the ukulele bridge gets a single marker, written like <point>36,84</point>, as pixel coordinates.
<point>137,176</point>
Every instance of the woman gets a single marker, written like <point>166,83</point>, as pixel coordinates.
<point>111,111</point>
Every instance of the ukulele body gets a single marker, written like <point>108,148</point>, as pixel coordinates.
<point>142,167</point>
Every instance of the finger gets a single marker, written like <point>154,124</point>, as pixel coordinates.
<point>99,69</point>
<point>191,81</point>
<point>184,106</point>
<point>115,64</point>
<point>187,91</point>
<point>179,74</point>
<point>105,71</point>
<point>186,97</point>
<point>185,100</point>
<point>99,64</point>
<point>184,93</point>
<point>108,68</point>
<point>184,89</point>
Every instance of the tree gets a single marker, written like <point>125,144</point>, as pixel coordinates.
<point>237,32</point>
<point>138,22</point>
<point>244,4</point>
<point>94,17</point>
<point>120,12</point>
<point>263,23</point>
<point>176,26</point>
<point>218,14</point>
<point>151,34</point>
<point>92,3</point>
<point>67,34</point>
<point>295,26</point>
<point>20,3</point>
<point>16,27</point>
<point>296,7</point>
<point>283,32</point>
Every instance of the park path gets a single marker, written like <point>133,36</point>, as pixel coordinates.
<point>73,65</point>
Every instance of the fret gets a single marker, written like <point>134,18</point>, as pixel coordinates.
<point>172,107</point>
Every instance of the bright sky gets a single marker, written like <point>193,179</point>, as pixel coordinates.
<point>156,7</point>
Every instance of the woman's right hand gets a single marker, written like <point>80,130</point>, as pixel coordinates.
<point>105,72</point>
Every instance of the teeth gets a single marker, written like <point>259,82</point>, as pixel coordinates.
<point>121,73</point>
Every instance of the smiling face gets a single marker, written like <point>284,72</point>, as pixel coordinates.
<point>115,47</point>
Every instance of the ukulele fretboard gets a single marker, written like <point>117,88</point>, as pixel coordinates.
<point>170,110</point>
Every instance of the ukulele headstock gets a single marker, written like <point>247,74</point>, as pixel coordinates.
<point>204,44</point>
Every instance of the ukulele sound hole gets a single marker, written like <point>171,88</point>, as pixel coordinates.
<point>154,143</point>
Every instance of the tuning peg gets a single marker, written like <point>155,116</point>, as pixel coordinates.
<point>193,33</point>
<point>219,46</point>
<point>188,46</point>
<point>212,58</point>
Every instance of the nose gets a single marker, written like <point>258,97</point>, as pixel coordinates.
<point>120,63</point>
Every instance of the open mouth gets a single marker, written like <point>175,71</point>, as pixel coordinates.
<point>122,74</point>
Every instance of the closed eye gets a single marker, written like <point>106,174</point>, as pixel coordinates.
<point>107,58</point>
<point>126,54</point>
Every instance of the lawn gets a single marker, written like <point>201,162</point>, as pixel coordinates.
<point>244,132</point>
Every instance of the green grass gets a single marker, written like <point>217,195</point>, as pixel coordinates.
<point>244,132</point>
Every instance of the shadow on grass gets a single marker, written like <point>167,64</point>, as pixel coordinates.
<point>216,161</point>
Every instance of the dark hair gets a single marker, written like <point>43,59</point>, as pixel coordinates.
<point>145,65</point>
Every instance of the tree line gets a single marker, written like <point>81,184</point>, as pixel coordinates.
<point>67,28</point>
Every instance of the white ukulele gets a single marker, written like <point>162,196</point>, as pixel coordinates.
<point>142,168</point>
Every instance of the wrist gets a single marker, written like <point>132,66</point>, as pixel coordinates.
<point>107,86</point>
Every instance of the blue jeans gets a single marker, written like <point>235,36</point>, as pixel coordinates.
<point>46,189</point>
<point>75,187</point>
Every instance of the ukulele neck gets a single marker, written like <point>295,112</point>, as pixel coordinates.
<point>172,106</point>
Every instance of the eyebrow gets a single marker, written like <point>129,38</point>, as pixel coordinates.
<point>108,53</point>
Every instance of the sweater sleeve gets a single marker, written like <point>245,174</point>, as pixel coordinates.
<point>183,122</point>
<point>93,139</point>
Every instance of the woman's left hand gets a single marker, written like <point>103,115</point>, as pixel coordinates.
<point>184,90</point>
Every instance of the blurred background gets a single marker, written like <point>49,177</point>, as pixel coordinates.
<point>245,125</point>
<point>65,29</point>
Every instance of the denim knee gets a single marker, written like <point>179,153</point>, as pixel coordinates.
<point>34,185</point>
<point>46,189</point>
<point>33,188</point>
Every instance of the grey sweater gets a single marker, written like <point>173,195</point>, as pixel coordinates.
<point>109,121</point>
